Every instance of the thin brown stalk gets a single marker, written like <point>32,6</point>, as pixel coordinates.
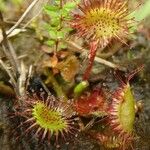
<point>7,48</point>
<point>12,79</point>
<point>15,58</point>
<point>105,62</point>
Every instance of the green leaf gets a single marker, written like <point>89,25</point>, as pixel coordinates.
<point>50,42</point>
<point>64,13</point>
<point>60,35</point>
<point>53,14</point>
<point>63,45</point>
<point>67,29</point>
<point>55,21</point>
<point>69,6</point>
<point>52,11</point>
<point>52,28</point>
<point>53,34</point>
<point>51,8</point>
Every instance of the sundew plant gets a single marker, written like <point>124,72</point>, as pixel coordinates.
<point>71,69</point>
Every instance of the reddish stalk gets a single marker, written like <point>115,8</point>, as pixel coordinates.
<point>92,54</point>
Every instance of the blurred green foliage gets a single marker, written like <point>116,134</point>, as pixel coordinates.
<point>17,1</point>
<point>140,14</point>
<point>3,3</point>
<point>143,12</point>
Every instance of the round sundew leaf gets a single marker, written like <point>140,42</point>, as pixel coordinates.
<point>122,111</point>
<point>48,118</point>
<point>103,21</point>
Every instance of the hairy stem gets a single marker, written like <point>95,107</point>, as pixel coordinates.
<point>93,50</point>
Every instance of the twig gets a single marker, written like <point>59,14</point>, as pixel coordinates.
<point>29,74</point>
<point>24,26</point>
<point>114,49</point>
<point>12,51</point>
<point>7,48</point>
<point>23,16</point>
<point>77,48</point>
<point>13,82</point>
<point>45,87</point>
<point>99,60</point>
<point>22,79</point>
<point>107,63</point>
